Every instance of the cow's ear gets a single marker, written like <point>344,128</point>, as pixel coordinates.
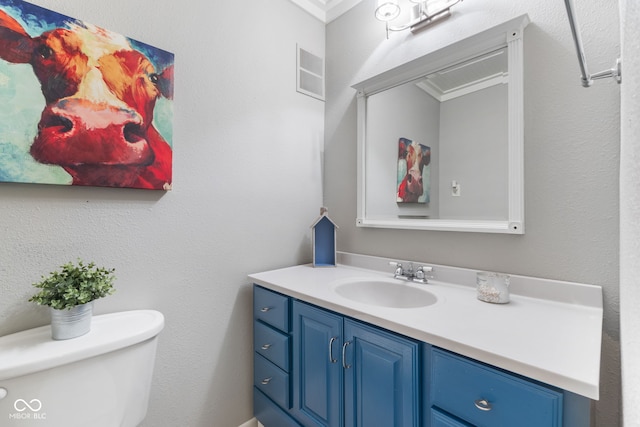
<point>165,82</point>
<point>16,45</point>
<point>426,158</point>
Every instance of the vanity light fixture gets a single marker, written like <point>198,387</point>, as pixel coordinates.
<point>422,13</point>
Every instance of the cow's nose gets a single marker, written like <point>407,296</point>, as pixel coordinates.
<point>79,131</point>
<point>79,115</point>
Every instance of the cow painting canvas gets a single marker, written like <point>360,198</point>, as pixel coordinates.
<point>413,179</point>
<point>81,105</point>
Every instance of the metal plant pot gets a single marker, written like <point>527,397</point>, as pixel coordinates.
<point>66,324</point>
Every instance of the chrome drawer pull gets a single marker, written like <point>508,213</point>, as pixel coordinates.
<point>331,359</point>
<point>266,381</point>
<point>483,404</point>
<point>344,355</point>
<point>266,346</point>
<point>265,309</point>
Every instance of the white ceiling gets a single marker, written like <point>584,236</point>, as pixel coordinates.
<point>326,10</point>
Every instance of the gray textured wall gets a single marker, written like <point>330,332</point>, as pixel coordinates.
<point>571,153</point>
<point>247,185</point>
<point>629,212</point>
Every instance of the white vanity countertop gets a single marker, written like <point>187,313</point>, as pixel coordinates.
<point>550,330</point>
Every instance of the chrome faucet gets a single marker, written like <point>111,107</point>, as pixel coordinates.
<point>409,274</point>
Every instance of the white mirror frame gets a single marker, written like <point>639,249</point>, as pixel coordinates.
<point>509,35</point>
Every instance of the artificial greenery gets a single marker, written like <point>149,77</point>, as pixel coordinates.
<point>76,284</point>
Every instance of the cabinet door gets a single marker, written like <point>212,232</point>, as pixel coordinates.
<point>381,378</point>
<point>317,370</point>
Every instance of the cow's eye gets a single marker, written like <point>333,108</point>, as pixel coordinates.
<point>154,78</point>
<point>45,51</point>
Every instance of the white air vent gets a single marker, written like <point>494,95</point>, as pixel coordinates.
<point>310,74</point>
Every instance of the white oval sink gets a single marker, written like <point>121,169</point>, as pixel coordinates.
<point>385,293</point>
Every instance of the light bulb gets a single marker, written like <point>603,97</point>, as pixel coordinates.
<point>387,10</point>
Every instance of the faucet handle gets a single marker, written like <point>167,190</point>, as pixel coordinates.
<point>421,275</point>
<point>399,270</point>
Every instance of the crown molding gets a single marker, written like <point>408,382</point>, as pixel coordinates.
<point>326,10</point>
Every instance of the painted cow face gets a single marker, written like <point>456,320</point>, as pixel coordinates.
<point>100,95</point>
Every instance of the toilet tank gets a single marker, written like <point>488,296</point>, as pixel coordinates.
<point>101,379</point>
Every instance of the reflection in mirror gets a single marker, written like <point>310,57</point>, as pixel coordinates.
<point>440,144</point>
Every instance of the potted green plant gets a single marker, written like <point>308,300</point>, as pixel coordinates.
<point>70,294</point>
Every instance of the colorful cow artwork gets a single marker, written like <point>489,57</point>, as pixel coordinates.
<point>413,172</point>
<point>104,102</point>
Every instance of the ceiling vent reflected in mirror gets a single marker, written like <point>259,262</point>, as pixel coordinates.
<point>467,77</point>
<point>310,74</point>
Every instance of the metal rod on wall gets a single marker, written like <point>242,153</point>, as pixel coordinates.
<point>587,79</point>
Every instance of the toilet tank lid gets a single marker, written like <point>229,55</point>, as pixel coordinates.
<point>33,350</point>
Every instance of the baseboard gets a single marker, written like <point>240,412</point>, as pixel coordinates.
<point>251,423</point>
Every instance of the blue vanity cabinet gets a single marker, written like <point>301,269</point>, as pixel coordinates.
<point>347,373</point>
<point>468,393</point>
<point>272,358</point>
<point>317,368</point>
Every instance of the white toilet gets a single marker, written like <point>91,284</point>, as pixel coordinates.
<point>101,379</point>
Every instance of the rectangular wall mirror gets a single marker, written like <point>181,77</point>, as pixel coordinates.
<point>440,139</point>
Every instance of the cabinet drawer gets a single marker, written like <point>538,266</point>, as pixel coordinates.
<point>485,396</point>
<point>272,344</point>
<point>268,413</point>
<point>271,380</point>
<point>440,419</point>
<point>271,308</point>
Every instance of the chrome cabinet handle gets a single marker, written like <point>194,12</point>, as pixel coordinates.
<point>266,380</point>
<point>266,346</point>
<point>344,355</point>
<point>483,404</point>
<point>331,359</point>
<point>265,309</point>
